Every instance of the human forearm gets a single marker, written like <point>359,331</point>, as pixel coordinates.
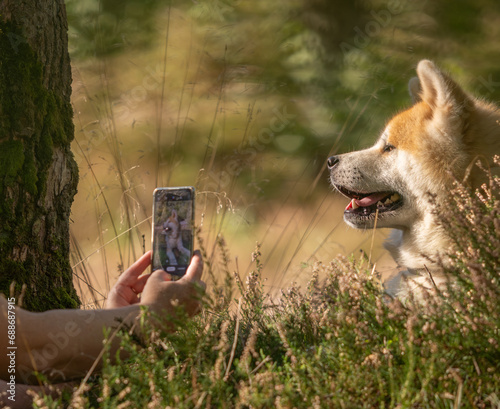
<point>63,344</point>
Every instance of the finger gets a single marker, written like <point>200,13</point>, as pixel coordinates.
<point>135,300</point>
<point>158,276</point>
<point>195,268</point>
<point>136,269</point>
<point>138,286</point>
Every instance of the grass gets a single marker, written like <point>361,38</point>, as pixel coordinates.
<point>337,343</point>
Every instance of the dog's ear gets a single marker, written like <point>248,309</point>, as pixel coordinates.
<point>438,90</point>
<point>446,99</point>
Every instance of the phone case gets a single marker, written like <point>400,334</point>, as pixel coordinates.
<point>172,236</point>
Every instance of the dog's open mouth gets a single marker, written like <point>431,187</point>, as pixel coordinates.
<point>364,204</point>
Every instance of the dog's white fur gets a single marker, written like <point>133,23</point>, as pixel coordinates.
<point>420,152</point>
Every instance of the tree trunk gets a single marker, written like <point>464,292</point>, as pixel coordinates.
<point>38,174</point>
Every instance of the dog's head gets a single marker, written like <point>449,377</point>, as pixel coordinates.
<point>415,156</point>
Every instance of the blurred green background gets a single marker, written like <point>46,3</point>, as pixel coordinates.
<point>245,100</point>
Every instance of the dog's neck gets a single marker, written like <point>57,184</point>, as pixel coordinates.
<point>416,248</point>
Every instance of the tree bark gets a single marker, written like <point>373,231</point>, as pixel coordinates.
<point>38,174</point>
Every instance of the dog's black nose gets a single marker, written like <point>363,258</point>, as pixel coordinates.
<point>332,161</point>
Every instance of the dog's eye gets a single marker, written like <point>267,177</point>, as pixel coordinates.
<point>388,147</point>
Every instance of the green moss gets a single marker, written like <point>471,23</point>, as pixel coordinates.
<point>38,296</point>
<point>30,175</point>
<point>33,122</point>
<point>11,163</point>
<point>54,123</point>
<point>26,104</point>
<point>11,271</point>
<point>23,102</point>
<point>64,298</point>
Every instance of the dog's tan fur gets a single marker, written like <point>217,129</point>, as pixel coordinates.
<point>420,152</point>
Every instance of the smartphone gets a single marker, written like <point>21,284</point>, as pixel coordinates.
<point>172,236</point>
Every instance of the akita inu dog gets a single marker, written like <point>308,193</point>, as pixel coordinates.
<point>419,153</point>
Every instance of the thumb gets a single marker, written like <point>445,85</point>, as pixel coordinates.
<point>195,269</point>
<point>159,276</point>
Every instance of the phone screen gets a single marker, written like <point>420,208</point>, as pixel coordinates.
<point>173,213</point>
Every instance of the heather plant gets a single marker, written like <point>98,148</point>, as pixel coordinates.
<point>338,343</point>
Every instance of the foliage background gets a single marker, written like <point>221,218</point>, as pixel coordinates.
<point>245,100</point>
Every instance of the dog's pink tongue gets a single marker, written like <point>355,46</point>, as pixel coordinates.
<point>369,200</point>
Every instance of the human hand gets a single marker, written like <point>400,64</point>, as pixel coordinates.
<point>163,295</point>
<point>130,284</point>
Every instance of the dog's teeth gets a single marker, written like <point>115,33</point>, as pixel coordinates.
<point>388,202</point>
<point>380,204</point>
<point>353,204</point>
<point>395,197</point>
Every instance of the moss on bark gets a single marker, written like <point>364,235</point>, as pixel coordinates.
<point>38,177</point>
